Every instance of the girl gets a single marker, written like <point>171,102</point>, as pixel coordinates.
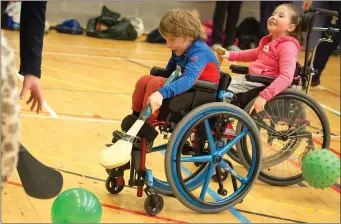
<point>275,56</point>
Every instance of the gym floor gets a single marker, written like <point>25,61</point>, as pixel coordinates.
<point>87,84</point>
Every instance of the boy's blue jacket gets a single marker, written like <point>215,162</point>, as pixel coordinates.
<point>198,62</point>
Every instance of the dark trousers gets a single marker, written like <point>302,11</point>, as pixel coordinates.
<point>32,27</point>
<point>232,8</point>
<point>324,50</point>
<point>266,10</point>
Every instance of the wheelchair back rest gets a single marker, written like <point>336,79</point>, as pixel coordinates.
<point>306,22</point>
<point>298,71</point>
<point>202,92</point>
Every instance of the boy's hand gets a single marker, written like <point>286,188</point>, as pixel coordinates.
<point>258,105</point>
<point>155,101</point>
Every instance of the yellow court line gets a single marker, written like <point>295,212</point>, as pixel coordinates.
<point>296,206</point>
<point>83,77</point>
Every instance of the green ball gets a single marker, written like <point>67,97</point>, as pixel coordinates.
<point>76,205</point>
<point>321,168</point>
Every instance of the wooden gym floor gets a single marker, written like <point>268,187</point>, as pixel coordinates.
<point>87,84</point>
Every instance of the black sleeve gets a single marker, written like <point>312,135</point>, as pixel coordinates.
<point>32,27</point>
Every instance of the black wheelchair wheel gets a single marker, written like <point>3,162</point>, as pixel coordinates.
<point>290,119</point>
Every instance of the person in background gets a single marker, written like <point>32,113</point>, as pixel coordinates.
<point>325,50</point>
<point>266,9</point>
<point>232,9</point>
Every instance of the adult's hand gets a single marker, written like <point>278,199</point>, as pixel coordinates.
<point>32,83</point>
<point>306,5</point>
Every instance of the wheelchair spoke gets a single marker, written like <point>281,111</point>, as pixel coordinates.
<point>233,142</point>
<point>206,158</point>
<point>209,174</point>
<point>159,148</point>
<point>303,134</point>
<point>270,117</point>
<point>267,128</point>
<point>225,166</point>
<point>299,128</point>
<point>209,137</point>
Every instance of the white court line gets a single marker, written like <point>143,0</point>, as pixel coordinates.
<point>331,109</point>
<point>46,106</point>
<point>71,118</point>
<point>328,90</point>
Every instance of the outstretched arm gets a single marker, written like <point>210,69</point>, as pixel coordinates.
<point>32,27</point>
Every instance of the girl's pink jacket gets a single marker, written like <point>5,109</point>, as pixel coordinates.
<point>276,58</point>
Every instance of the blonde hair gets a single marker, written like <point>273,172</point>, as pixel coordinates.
<point>182,23</point>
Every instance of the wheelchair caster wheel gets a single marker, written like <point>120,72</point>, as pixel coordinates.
<point>112,185</point>
<point>222,192</point>
<point>153,204</point>
<point>224,175</point>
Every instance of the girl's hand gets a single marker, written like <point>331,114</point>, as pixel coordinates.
<point>223,53</point>
<point>258,105</point>
<point>155,101</point>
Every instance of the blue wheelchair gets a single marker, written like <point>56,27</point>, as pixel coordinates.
<point>194,155</point>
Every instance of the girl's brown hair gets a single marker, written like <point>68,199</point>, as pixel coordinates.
<point>182,23</point>
<point>297,19</point>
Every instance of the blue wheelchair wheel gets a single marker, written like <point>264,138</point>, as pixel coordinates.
<point>193,181</point>
<point>204,199</point>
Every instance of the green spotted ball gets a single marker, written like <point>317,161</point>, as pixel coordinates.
<point>321,168</point>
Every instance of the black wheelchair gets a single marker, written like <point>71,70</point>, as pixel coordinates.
<point>292,121</point>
